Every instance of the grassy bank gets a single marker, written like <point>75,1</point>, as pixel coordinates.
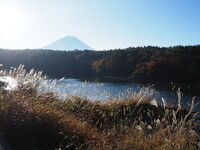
<point>40,121</point>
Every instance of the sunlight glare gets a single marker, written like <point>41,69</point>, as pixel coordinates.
<point>11,21</point>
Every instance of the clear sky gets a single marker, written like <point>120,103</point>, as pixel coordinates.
<point>101,24</point>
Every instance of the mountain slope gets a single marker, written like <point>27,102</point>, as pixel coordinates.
<point>68,43</point>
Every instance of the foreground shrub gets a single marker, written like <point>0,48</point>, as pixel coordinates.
<point>30,119</point>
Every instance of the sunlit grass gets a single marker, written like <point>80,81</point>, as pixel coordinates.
<point>31,118</point>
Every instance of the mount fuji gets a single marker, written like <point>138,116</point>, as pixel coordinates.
<point>68,43</point>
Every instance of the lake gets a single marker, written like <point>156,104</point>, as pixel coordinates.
<point>106,88</point>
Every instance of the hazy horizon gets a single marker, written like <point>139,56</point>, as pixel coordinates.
<point>100,24</point>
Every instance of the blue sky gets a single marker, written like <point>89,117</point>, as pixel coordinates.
<point>106,24</point>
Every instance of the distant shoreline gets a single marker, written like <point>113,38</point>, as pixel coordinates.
<point>172,64</point>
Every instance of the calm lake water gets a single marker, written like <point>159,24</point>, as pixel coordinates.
<point>105,88</point>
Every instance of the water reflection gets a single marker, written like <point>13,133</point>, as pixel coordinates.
<point>104,90</point>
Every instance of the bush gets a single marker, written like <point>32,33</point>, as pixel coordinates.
<point>30,119</point>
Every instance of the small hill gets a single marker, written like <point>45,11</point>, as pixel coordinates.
<point>68,43</point>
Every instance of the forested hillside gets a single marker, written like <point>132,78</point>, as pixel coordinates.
<point>180,63</point>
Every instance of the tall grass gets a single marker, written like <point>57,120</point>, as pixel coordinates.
<point>31,119</point>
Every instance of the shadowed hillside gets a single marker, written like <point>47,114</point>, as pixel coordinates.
<point>180,63</point>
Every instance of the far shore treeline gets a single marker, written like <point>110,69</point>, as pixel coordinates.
<point>176,64</point>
